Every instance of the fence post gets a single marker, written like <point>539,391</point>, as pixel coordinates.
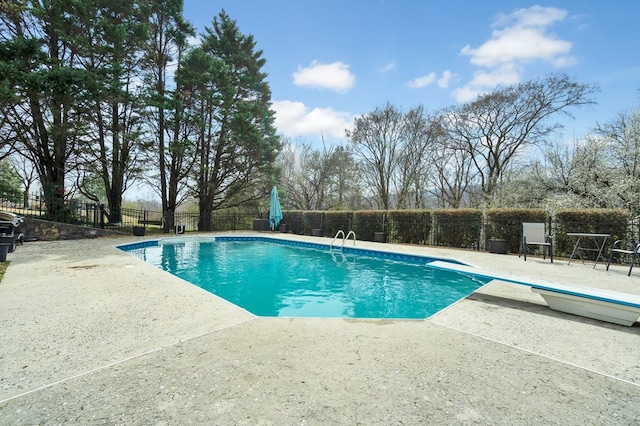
<point>101,216</point>
<point>482,231</point>
<point>94,214</point>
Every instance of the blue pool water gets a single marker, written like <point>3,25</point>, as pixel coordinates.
<point>271,277</point>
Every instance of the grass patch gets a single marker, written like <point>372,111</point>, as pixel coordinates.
<point>3,268</point>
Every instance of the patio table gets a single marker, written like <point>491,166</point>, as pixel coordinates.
<point>599,241</point>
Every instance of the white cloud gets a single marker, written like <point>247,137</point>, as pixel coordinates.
<point>504,76</point>
<point>484,80</point>
<point>443,82</point>
<point>518,39</point>
<point>429,79</point>
<point>535,16</point>
<point>335,76</point>
<point>295,119</point>
<point>388,67</point>
<point>517,44</point>
<point>194,41</point>
<point>465,94</point>
<point>423,81</point>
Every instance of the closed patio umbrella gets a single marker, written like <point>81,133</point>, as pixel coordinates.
<point>275,211</point>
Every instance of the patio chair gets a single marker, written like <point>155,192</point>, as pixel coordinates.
<point>624,248</point>
<point>533,235</point>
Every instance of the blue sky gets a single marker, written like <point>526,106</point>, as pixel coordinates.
<point>329,61</point>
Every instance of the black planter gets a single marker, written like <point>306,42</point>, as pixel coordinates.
<point>7,244</point>
<point>499,246</point>
<point>261,225</point>
<point>138,231</point>
<point>317,232</point>
<point>284,228</point>
<point>380,237</point>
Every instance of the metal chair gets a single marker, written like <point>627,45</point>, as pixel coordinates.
<point>622,247</point>
<point>533,235</point>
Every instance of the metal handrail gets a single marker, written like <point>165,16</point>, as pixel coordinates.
<point>334,239</point>
<point>347,237</point>
<point>344,238</point>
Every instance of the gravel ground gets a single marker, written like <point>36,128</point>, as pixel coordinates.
<point>91,335</point>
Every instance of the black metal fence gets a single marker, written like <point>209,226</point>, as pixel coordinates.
<point>125,220</point>
<point>472,232</point>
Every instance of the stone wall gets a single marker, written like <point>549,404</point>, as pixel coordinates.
<point>36,229</point>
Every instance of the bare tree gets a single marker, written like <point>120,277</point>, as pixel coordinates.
<point>315,179</point>
<point>418,137</point>
<point>377,138</point>
<point>26,171</point>
<point>346,192</point>
<point>305,175</point>
<point>392,148</point>
<point>453,174</point>
<point>498,126</point>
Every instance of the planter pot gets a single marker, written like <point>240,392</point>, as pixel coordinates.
<point>316,232</point>
<point>499,246</point>
<point>7,245</point>
<point>261,225</point>
<point>138,231</point>
<point>284,228</point>
<point>380,237</point>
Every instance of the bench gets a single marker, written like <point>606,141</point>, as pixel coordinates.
<point>150,222</point>
<point>151,218</point>
<point>605,305</point>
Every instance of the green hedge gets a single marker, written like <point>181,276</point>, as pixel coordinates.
<point>368,222</point>
<point>595,221</point>
<point>409,226</point>
<point>335,221</point>
<point>506,224</point>
<point>458,228</point>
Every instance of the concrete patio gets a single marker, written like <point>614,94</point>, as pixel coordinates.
<point>91,335</point>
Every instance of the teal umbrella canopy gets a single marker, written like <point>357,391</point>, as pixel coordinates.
<point>275,211</point>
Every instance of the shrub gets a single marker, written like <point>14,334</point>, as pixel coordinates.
<point>409,226</point>
<point>337,220</point>
<point>366,223</point>
<point>506,224</point>
<point>594,221</point>
<point>458,228</point>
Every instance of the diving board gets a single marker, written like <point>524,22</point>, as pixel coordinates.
<point>605,305</point>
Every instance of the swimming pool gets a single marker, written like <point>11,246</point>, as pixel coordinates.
<point>282,278</point>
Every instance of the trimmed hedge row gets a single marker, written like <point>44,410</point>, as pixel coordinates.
<point>461,228</point>
<point>593,221</point>
<point>506,224</point>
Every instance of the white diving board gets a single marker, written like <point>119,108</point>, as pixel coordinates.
<point>605,305</point>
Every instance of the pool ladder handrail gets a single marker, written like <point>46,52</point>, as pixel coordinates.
<point>344,238</point>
